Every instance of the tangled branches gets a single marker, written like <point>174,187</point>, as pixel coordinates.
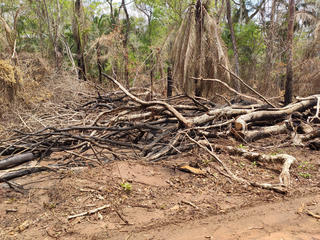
<point>123,126</point>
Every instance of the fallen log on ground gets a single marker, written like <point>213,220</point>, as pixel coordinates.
<point>242,121</point>
<point>17,160</point>
<point>22,172</point>
<point>124,126</point>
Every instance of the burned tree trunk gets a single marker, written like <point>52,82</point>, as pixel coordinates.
<point>169,82</point>
<point>79,39</point>
<point>289,83</point>
<point>125,45</point>
<point>99,63</point>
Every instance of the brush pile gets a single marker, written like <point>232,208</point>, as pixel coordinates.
<point>121,125</point>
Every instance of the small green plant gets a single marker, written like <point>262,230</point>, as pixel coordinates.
<point>305,175</point>
<point>126,186</point>
<point>241,146</point>
<point>254,163</point>
<point>305,165</point>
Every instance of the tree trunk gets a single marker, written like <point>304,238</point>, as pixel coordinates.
<point>289,83</point>
<point>125,45</point>
<point>77,33</point>
<point>234,45</point>
<point>169,82</point>
<point>99,63</point>
<point>269,52</point>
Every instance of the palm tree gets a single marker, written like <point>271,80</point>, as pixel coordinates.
<point>197,52</point>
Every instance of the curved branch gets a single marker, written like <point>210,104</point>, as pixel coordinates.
<point>178,115</point>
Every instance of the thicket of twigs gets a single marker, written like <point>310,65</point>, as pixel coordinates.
<point>127,124</point>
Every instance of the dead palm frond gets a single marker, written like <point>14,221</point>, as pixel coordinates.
<point>312,21</point>
<point>197,52</point>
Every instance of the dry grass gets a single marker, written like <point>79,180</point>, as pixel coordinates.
<point>308,77</point>
<point>10,82</point>
<point>42,99</point>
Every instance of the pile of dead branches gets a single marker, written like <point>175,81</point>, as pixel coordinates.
<point>123,125</point>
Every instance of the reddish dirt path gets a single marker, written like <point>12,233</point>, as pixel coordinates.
<point>164,203</point>
<point>273,221</point>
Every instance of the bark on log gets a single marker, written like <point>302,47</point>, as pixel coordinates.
<point>226,112</point>
<point>17,160</point>
<point>23,172</point>
<point>299,139</point>
<point>286,159</point>
<point>242,121</point>
<point>254,135</point>
<point>314,145</point>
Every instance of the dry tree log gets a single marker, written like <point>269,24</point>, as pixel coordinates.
<point>17,160</point>
<point>280,113</point>
<point>300,139</point>
<point>264,132</point>
<point>286,159</point>
<point>22,172</point>
<point>120,125</point>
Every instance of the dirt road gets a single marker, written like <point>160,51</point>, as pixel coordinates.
<point>155,201</point>
<point>273,221</point>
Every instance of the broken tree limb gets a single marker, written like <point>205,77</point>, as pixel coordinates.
<point>264,132</point>
<point>229,88</point>
<point>157,156</point>
<point>89,212</point>
<point>317,115</point>
<point>286,159</point>
<point>250,88</point>
<point>204,144</point>
<point>22,172</point>
<point>300,139</point>
<point>178,115</point>
<point>17,160</point>
<point>242,121</point>
<point>214,114</point>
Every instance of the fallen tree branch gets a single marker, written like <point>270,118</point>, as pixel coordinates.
<point>17,160</point>
<point>264,132</point>
<point>23,172</point>
<point>229,88</point>
<point>275,187</point>
<point>242,121</point>
<point>178,115</point>
<point>244,83</point>
<point>286,159</point>
<point>88,212</point>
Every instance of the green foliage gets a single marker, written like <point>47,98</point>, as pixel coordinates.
<point>126,186</point>
<point>249,41</point>
<point>242,146</point>
<point>305,165</point>
<point>305,175</point>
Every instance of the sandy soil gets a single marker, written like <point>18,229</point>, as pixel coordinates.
<point>157,201</point>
